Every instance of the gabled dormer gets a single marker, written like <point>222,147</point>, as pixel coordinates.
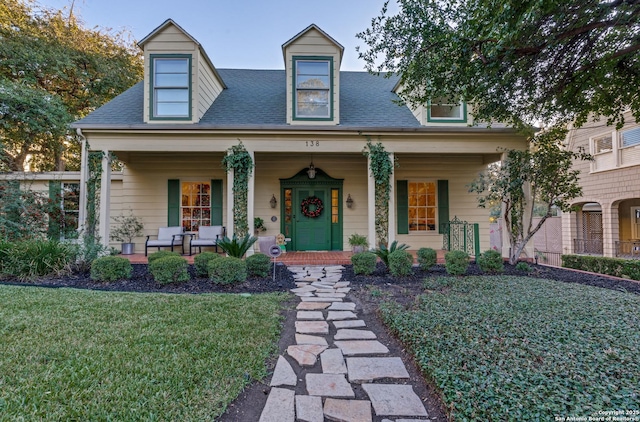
<point>312,63</point>
<point>181,83</point>
<point>439,111</point>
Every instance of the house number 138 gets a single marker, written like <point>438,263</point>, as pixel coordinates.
<point>312,143</point>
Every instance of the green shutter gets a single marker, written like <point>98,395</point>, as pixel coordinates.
<point>402,206</point>
<point>443,203</point>
<point>216,202</point>
<point>173,218</point>
<point>55,190</point>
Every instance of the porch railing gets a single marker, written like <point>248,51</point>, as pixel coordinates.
<point>553,259</point>
<point>587,246</point>
<point>627,249</point>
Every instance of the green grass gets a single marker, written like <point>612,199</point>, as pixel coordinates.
<point>509,348</point>
<point>86,355</point>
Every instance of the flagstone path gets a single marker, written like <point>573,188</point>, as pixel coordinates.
<point>336,355</point>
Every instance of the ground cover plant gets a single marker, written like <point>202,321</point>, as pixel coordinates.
<point>72,354</point>
<point>523,348</point>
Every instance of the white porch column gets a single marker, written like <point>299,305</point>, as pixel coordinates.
<point>609,234</point>
<point>105,199</point>
<point>569,231</point>
<point>251,191</point>
<point>371,207</point>
<point>84,171</point>
<point>392,204</point>
<point>230,227</point>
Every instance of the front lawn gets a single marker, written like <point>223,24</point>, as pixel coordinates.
<point>87,355</point>
<point>517,348</point>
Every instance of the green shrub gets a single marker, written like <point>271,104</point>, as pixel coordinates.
<point>201,262</point>
<point>383,252</point>
<point>400,263</point>
<point>235,247</point>
<point>228,270</point>
<point>111,268</point>
<point>456,262</point>
<point>38,258</point>
<point>170,269</point>
<point>364,262</point>
<point>161,254</point>
<point>427,258</point>
<point>523,266</point>
<point>490,261</point>
<point>602,265</point>
<point>258,264</point>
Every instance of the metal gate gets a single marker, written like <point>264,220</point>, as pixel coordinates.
<point>460,235</point>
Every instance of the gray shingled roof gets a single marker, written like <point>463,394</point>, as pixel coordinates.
<point>256,98</point>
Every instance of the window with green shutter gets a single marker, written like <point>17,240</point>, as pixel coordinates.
<point>194,204</point>
<point>421,205</point>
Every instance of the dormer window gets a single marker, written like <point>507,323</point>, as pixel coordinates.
<point>171,87</point>
<point>313,96</point>
<point>442,110</point>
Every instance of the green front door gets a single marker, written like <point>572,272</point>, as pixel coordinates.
<point>312,233</point>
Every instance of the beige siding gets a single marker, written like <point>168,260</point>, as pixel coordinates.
<point>209,87</point>
<point>459,171</point>
<point>313,43</point>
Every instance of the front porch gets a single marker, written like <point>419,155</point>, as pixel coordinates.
<point>297,258</point>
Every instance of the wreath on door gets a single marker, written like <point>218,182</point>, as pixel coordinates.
<point>311,207</point>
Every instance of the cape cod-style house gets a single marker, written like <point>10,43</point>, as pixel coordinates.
<point>305,128</point>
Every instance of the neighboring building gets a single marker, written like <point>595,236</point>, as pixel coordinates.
<point>607,221</point>
<point>172,130</point>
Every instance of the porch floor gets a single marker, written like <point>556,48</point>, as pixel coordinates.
<point>296,258</point>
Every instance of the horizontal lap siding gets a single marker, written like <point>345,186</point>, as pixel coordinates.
<point>208,87</point>
<point>145,183</point>
<point>459,171</point>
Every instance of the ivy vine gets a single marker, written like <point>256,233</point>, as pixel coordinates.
<point>239,160</point>
<point>381,167</point>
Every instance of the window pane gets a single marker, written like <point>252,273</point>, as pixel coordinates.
<point>308,81</point>
<point>631,137</point>
<point>198,213</point>
<point>422,209</point>
<point>172,79</point>
<point>172,95</point>
<point>446,111</point>
<point>313,103</point>
<point>172,109</point>
<point>312,67</point>
<point>171,65</point>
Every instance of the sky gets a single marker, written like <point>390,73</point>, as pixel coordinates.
<point>239,34</point>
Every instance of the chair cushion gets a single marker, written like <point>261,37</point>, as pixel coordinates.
<point>203,242</point>
<point>210,232</point>
<point>166,233</point>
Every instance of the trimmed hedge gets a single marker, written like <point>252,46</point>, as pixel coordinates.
<point>201,262</point>
<point>161,254</point>
<point>400,263</point>
<point>228,270</point>
<point>258,264</point>
<point>427,258</point>
<point>111,268</point>
<point>616,267</point>
<point>456,262</point>
<point>170,269</point>
<point>490,261</point>
<point>364,262</point>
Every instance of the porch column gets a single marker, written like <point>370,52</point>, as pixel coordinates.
<point>105,199</point>
<point>609,234</point>
<point>392,204</point>
<point>371,207</point>
<point>251,198</point>
<point>569,231</point>
<point>84,171</point>
<point>230,228</point>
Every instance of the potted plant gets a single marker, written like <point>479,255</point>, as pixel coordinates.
<point>258,225</point>
<point>128,227</point>
<point>358,243</point>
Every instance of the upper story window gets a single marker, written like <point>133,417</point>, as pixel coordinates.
<point>171,87</point>
<point>602,144</point>
<point>313,93</point>
<point>442,110</point>
<point>630,138</point>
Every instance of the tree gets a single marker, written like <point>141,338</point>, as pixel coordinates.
<point>54,71</point>
<point>517,62</point>
<point>546,169</point>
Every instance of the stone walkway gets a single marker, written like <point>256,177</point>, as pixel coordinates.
<point>335,355</point>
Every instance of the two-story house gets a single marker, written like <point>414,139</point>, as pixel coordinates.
<point>305,128</point>
<point>607,220</point>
